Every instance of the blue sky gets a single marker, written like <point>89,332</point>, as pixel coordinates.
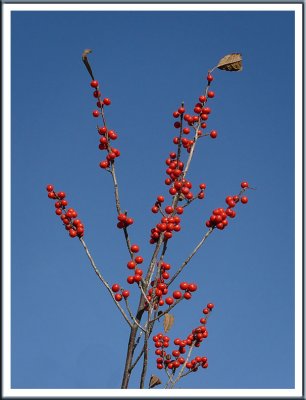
<point>66,332</point>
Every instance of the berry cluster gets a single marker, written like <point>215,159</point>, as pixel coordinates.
<point>170,224</point>
<point>174,359</point>
<point>73,225</point>
<point>196,121</point>
<point>124,221</point>
<point>119,296</point>
<point>107,135</point>
<point>218,218</point>
<point>133,265</point>
<point>159,288</point>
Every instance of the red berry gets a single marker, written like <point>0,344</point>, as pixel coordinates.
<point>130,280</point>
<point>192,287</point>
<point>138,260</point>
<point>125,294</point>
<point>134,248</point>
<point>58,211</point>
<point>118,297</point>
<point>210,306</point>
<point>186,131</point>
<point>210,78</point>
<point>211,94</point>
<point>96,113</point>
<point>160,199</point>
<point>94,84</point>
<point>107,101</point>
<point>177,124</point>
<point>177,294</point>
<point>137,278</point>
<point>61,195</point>
<point>115,287</point>
<point>72,233</point>
<point>213,134</point>
<point>180,210</point>
<point>169,300</point>
<point>244,199</point>
<point>206,311</point>
<point>169,210</point>
<point>187,295</point>
<point>131,264</point>
<point>97,94</point>
<point>184,285</point>
<point>49,188</point>
<point>244,185</point>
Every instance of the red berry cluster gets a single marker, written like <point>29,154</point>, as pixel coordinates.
<point>174,359</point>
<point>170,224</point>
<point>73,225</point>
<point>218,219</point>
<point>124,221</point>
<point>107,135</point>
<point>119,296</point>
<point>159,288</point>
<point>197,121</point>
<point>133,265</point>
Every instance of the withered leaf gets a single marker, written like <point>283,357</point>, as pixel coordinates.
<point>86,62</point>
<point>154,381</point>
<point>231,62</point>
<point>85,52</point>
<point>168,322</point>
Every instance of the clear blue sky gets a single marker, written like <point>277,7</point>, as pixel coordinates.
<point>66,332</point>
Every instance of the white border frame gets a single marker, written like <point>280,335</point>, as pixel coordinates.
<point>6,211</point>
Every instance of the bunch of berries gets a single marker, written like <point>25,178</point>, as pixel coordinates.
<point>124,221</point>
<point>72,224</point>
<point>174,359</point>
<point>119,296</point>
<point>107,135</point>
<point>218,219</point>
<point>196,121</point>
<point>133,265</point>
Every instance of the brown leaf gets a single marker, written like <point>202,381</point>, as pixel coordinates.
<point>154,381</point>
<point>231,62</point>
<point>86,62</point>
<point>168,322</point>
<point>85,52</point>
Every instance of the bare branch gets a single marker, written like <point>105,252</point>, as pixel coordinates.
<point>104,281</point>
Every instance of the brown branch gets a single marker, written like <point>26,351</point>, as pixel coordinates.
<point>191,255</point>
<point>104,281</point>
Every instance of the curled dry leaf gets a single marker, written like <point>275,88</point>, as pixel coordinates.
<point>154,381</point>
<point>86,62</point>
<point>231,62</point>
<point>85,52</point>
<point>168,322</point>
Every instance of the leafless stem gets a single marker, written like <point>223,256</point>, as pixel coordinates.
<point>104,281</point>
<point>191,255</point>
<point>132,316</point>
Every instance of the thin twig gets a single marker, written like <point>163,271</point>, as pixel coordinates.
<point>132,316</point>
<point>104,281</point>
<point>191,255</point>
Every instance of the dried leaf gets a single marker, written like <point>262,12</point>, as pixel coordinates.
<point>154,381</point>
<point>86,62</point>
<point>231,62</point>
<point>168,322</point>
<point>85,52</point>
